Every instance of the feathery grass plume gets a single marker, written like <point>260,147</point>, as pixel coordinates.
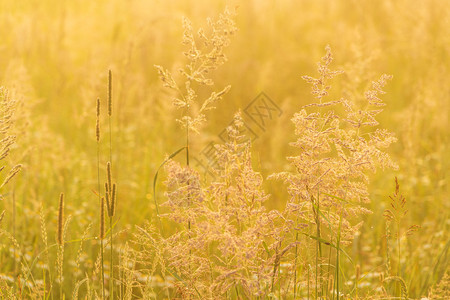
<point>337,151</point>
<point>241,226</point>
<point>80,250</point>
<point>202,57</point>
<point>7,108</point>
<point>1,216</point>
<point>231,233</point>
<point>442,289</point>
<point>205,53</point>
<point>395,214</point>
<point>149,252</point>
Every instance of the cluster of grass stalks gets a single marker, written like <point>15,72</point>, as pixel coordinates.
<point>301,212</point>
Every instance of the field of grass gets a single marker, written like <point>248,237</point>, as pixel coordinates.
<point>187,149</point>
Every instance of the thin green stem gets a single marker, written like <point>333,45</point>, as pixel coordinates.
<point>111,288</point>
<point>308,283</point>
<point>110,142</point>
<point>101,268</point>
<point>329,254</point>
<point>295,264</point>
<point>112,260</point>
<point>60,269</point>
<point>187,144</point>
<point>398,245</point>
<point>187,163</point>
<point>99,199</point>
<point>338,245</point>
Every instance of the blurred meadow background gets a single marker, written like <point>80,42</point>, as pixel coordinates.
<point>54,61</point>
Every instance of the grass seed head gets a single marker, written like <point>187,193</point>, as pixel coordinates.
<point>102,218</point>
<point>60,219</point>
<point>108,170</point>
<point>112,210</point>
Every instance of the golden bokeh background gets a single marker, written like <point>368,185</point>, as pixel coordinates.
<point>55,56</point>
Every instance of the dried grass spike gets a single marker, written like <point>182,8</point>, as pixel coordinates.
<point>113,201</point>
<point>61,219</point>
<point>108,169</point>
<point>11,174</point>
<point>107,192</point>
<point>102,219</point>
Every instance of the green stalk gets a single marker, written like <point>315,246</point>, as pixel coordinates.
<point>329,254</point>
<point>316,211</point>
<point>308,283</point>
<point>111,288</point>
<point>99,198</point>
<point>112,260</point>
<point>338,245</point>
<point>398,245</point>
<point>295,264</point>
<point>101,268</point>
<point>187,144</point>
<point>101,240</point>
<point>61,251</point>
<point>187,163</point>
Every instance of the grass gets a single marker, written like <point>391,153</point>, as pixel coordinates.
<point>300,212</point>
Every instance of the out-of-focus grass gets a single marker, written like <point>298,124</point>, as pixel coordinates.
<point>54,57</point>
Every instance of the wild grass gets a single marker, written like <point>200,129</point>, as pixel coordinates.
<point>296,208</point>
